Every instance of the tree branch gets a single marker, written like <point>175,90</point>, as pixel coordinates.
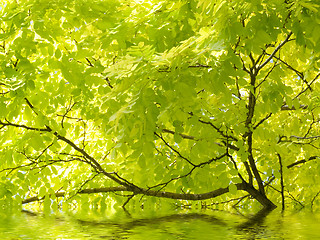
<point>181,134</point>
<point>286,107</point>
<point>219,131</point>
<point>274,52</point>
<point>308,86</point>
<point>148,192</point>
<point>305,138</point>
<point>300,74</point>
<point>174,150</point>
<point>314,198</point>
<point>193,138</point>
<point>301,161</point>
<point>262,120</point>
<point>92,161</point>
<point>281,182</point>
<point>249,134</point>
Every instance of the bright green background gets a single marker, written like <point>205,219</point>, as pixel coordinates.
<point>157,94</point>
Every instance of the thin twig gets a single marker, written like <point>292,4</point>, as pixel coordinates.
<point>174,150</point>
<point>314,198</point>
<point>308,86</point>
<point>181,134</point>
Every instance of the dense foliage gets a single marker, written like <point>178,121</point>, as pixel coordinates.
<point>130,102</point>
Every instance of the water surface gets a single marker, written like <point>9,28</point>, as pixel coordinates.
<point>207,224</point>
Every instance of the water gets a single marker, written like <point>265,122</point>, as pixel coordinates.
<point>176,225</point>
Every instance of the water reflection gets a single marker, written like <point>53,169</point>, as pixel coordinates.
<point>183,225</point>
<point>255,227</point>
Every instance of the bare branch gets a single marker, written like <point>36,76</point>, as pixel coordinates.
<point>84,191</point>
<point>239,199</point>
<point>163,185</point>
<point>267,75</point>
<point>89,62</point>
<point>193,138</point>
<point>127,201</point>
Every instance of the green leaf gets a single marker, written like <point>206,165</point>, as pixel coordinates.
<point>233,189</point>
<point>3,109</point>
<point>221,167</point>
<point>223,180</point>
<point>142,162</point>
<point>37,142</point>
<point>46,205</point>
<point>296,103</point>
<point>42,192</point>
<point>236,180</point>
<point>277,174</point>
<point>177,138</point>
<point>233,172</point>
<point>57,53</point>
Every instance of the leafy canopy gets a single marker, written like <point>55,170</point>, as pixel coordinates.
<point>104,100</point>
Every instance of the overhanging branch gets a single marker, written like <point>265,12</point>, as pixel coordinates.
<point>148,192</point>
<point>170,195</point>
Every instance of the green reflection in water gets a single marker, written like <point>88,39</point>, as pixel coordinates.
<point>183,225</point>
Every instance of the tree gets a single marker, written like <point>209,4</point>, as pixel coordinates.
<point>210,101</point>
